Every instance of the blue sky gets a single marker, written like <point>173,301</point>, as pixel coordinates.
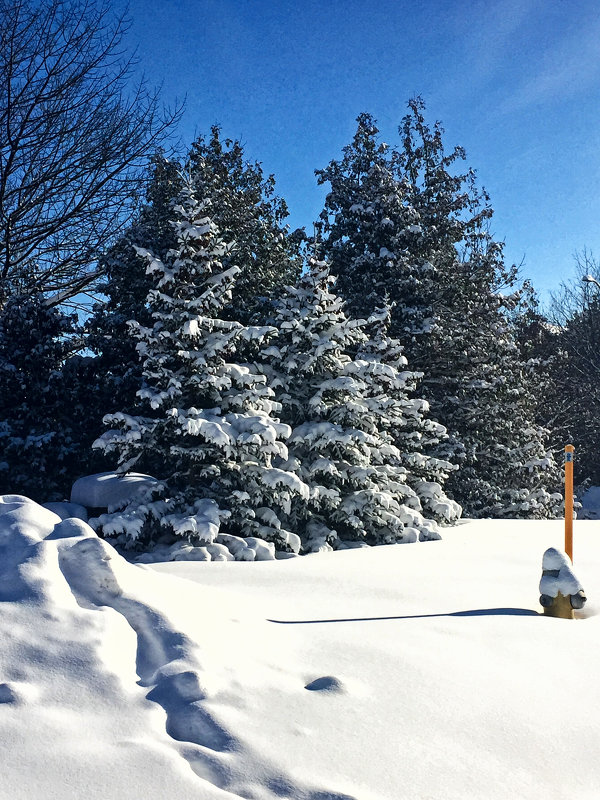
<point>516,83</point>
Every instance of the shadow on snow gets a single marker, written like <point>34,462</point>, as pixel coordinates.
<point>477,612</point>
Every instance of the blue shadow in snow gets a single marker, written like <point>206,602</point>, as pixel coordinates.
<point>476,612</point>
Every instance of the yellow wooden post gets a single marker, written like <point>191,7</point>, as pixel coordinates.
<point>569,451</point>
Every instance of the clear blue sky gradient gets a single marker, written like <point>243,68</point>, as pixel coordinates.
<point>515,82</point>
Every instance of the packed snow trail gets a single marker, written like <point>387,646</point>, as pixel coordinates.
<point>80,641</point>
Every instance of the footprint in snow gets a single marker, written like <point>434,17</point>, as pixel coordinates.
<point>328,683</point>
<point>7,693</point>
<point>89,567</point>
<point>17,693</point>
<point>193,723</point>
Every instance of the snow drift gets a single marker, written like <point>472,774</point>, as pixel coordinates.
<point>387,673</point>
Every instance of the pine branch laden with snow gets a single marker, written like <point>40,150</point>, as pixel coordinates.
<point>347,407</point>
<point>208,431</point>
<point>390,392</point>
<point>506,467</point>
<point>404,225</point>
<point>251,216</point>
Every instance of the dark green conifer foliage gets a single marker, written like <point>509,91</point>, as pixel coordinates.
<point>403,223</point>
<point>38,442</point>
<point>251,217</point>
<point>117,366</point>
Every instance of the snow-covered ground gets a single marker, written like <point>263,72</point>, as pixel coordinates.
<point>401,672</point>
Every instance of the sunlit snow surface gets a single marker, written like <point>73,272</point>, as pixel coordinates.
<point>400,672</point>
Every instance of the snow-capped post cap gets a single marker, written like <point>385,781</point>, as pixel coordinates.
<point>560,591</point>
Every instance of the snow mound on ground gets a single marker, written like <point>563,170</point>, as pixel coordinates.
<point>85,649</point>
<point>225,548</point>
<point>436,647</point>
<point>109,490</point>
<point>25,507</point>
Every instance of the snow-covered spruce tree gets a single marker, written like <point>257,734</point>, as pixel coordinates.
<point>391,390</point>
<point>342,443</point>
<point>117,367</point>
<point>489,405</point>
<point>400,221</point>
<point>208,432</point>
<point>371,235</point>
<point>37,443</point>
<point>251,217</point>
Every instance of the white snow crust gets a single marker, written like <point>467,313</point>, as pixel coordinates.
<point>386,673</point>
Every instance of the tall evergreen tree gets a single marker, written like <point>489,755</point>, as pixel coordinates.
<point>392,391</point>
<point>346,407</point>
<point>208,431</point>
<point>372,235</point>
<point>401,223</point>
<point>38,445</point>
<point>117,368</point>
<point>251,217</point>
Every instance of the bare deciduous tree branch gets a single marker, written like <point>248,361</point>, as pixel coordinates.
<point>74,140</point>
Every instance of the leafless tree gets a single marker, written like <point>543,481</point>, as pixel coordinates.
<point>75,136</point>
<point>574,296</point>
